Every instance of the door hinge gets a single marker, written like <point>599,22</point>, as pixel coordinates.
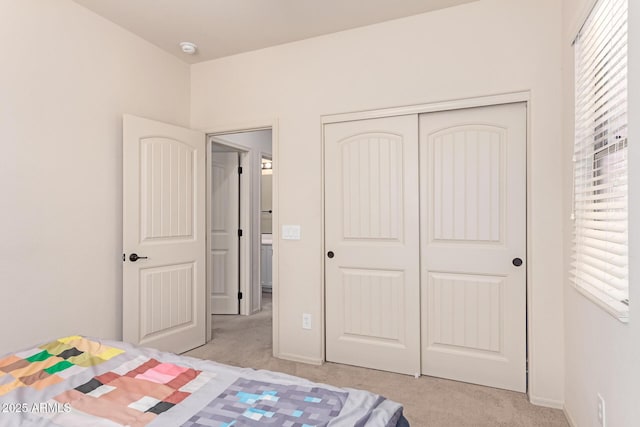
<point>239,295</point>
<point>240,233</point>
<point>239,170</point>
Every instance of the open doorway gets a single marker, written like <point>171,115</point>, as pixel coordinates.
<point>236,204</point>
<point>266,230</point>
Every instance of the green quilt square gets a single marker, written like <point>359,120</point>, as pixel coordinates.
<point>39,357</point>
<point>60,366</point>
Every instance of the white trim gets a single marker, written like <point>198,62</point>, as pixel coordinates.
<point>483,101</point>
<point>301,359</point>
<point>238,127</point>
<point>547,403</point>
<point>570,419</point>
<point>621,314</point>
<point>531,343</point>
<point>216,138</point>
<point>577,25</point>
<point>207,223</point>
<point>323,314</point>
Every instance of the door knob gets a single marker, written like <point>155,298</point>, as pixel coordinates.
<point>135,257</point>
<point>517,262</point>
<point>330,254</point>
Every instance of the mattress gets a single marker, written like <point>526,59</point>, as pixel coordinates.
<point>78,381</point>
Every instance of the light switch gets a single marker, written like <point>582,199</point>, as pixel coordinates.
<point>291,232</point>
<point>306,321</point>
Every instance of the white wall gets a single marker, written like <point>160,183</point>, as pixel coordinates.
<point>67,76</point>
<point>482,48</point>
<point>602,354</point>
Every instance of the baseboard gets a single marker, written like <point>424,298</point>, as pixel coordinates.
<point>549,403</point>
<point>301,359</point>
<point>567,415</point>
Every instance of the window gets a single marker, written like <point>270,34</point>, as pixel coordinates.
<point>600,260</point>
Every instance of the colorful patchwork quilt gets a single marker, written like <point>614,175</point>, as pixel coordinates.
<point>77,382</point>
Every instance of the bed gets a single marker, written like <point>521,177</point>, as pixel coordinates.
<point>78,381</point>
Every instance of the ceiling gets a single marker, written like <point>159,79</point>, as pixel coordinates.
<point>226,27</point>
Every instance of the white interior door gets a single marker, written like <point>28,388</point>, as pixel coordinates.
<point>473,230</point>
<point>371,228</point>
<point>164,223</point>
<point>223,260</point>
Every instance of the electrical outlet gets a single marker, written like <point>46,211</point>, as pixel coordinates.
<point>601,413</point>
<point>306,321</point>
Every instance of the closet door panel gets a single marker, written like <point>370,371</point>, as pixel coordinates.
<point>473,227</point>
<point>371,230</point>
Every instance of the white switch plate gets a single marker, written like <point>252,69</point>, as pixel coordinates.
<point>291,232</point>
<point>306,321</point>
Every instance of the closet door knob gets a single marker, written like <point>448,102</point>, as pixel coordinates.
<point>517,262</point>
<point>330,254</point>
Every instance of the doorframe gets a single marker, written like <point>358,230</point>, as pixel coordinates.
<point>439,106</point>
<point>229,128</point>
<point>244,249</point>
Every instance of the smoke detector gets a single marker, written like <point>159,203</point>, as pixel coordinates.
<point>188,48</point>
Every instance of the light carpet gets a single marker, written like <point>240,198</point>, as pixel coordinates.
<point>246,341</point>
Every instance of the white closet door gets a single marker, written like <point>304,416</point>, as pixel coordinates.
<point>371,239</point>
<point>473,230</point>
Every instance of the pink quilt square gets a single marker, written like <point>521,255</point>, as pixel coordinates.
<point>170,369</point>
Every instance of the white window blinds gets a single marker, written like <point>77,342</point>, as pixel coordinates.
<point>600,261</point>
